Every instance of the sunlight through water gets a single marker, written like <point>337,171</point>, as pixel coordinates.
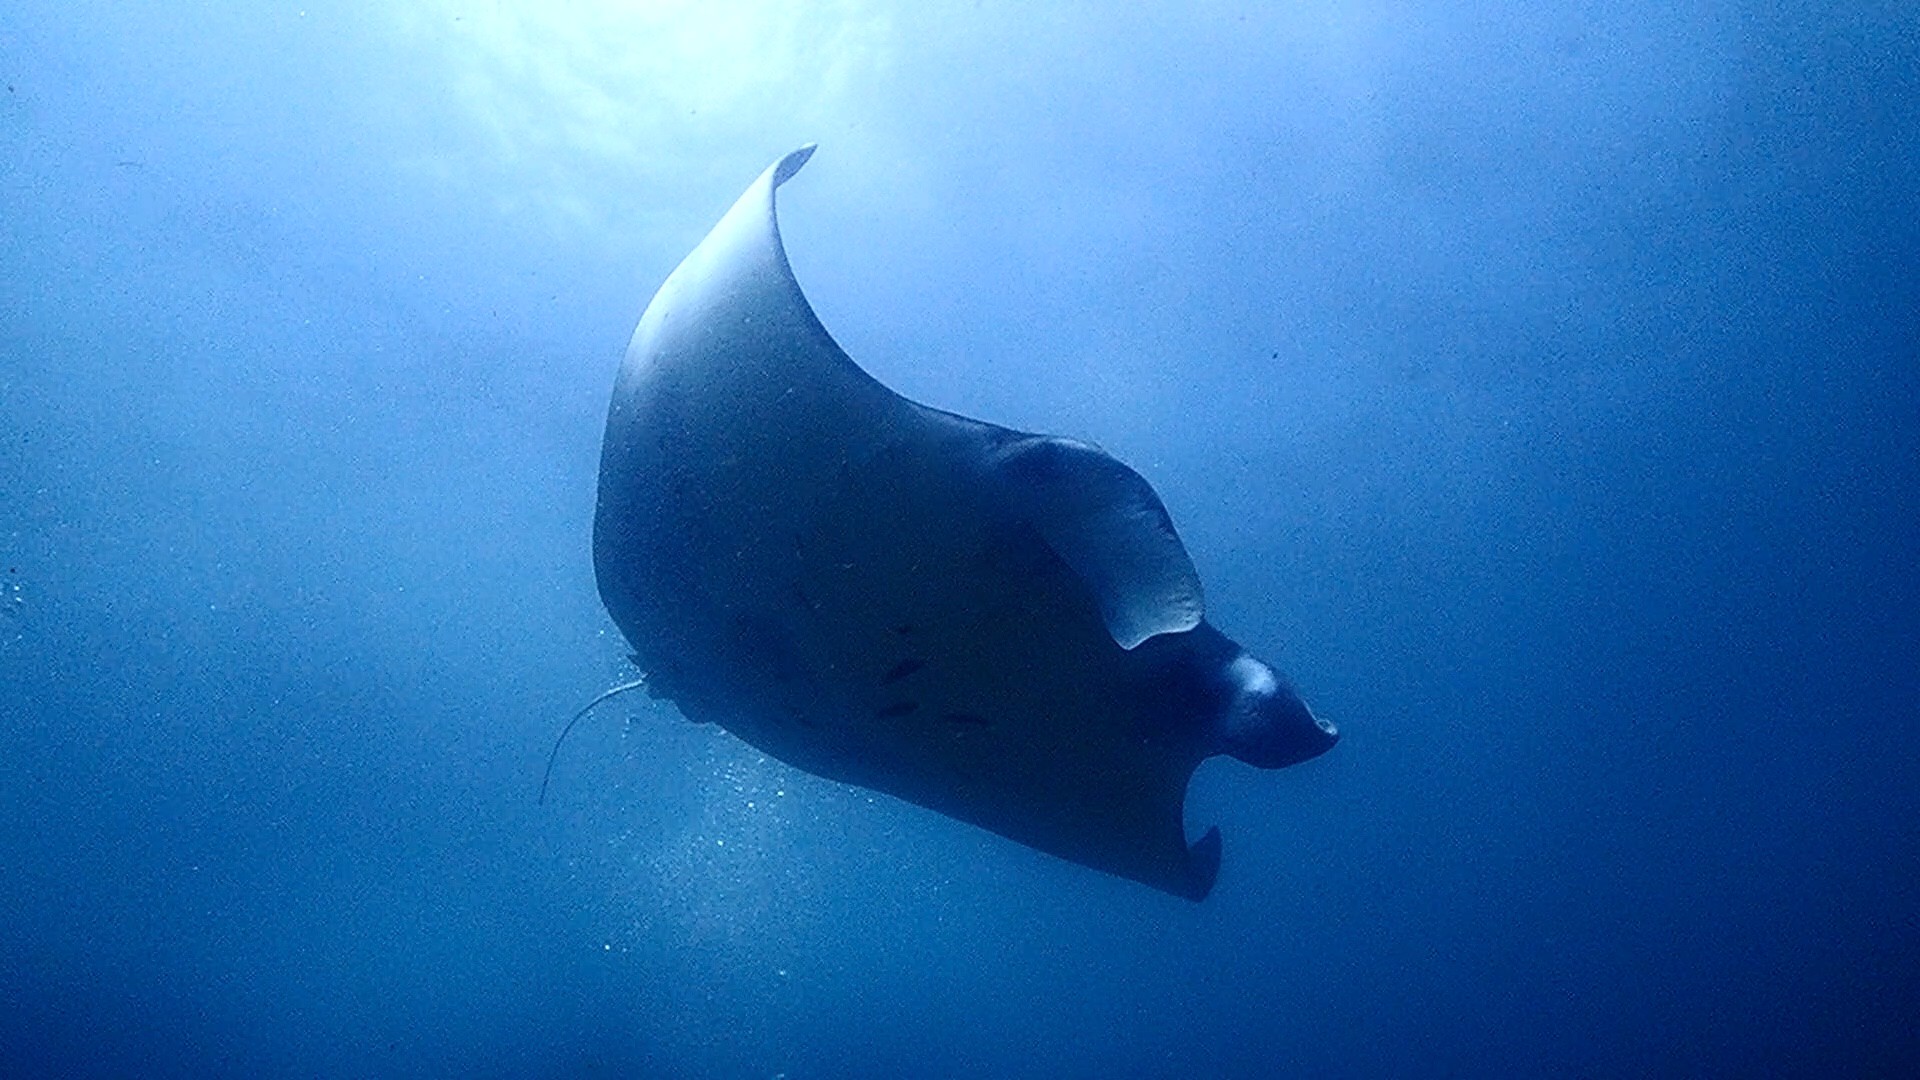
<point>557,103</point>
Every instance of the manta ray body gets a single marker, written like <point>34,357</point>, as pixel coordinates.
<point>1000,626</point>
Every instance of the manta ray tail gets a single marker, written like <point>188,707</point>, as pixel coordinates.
<point>547,776</point>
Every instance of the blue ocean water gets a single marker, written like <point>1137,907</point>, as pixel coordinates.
<point>1538,384</point>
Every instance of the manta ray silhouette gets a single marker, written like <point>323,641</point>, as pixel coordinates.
<point>1000,626</point>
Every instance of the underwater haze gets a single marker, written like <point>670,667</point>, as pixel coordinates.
<point>1536,384</point>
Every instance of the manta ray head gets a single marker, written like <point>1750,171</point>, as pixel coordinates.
<point>1263,722</point>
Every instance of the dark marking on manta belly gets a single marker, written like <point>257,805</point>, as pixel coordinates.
<point>905,629</point>
<point>896,710</point>
<point>903,669</point>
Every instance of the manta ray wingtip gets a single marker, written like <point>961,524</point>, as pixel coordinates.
<point>791,163</point>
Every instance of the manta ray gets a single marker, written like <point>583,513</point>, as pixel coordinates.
<point>997,625</point>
